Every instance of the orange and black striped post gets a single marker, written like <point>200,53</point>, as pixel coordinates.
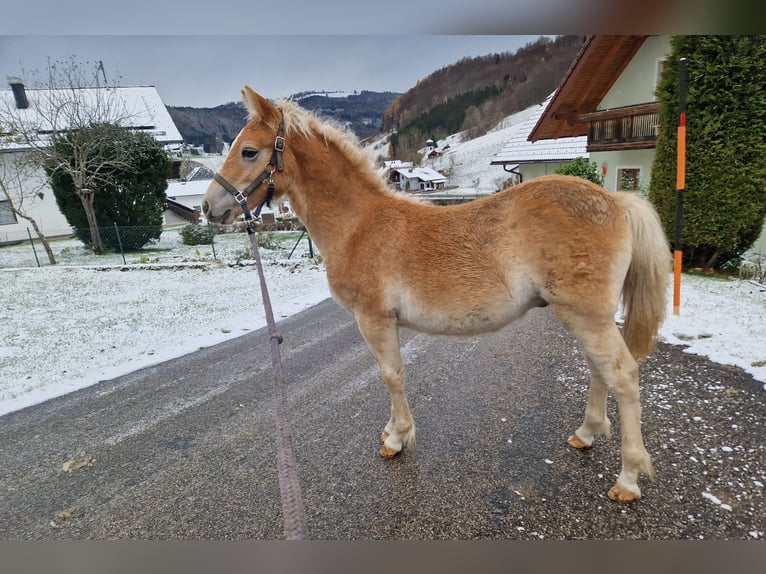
<point>680,186</point>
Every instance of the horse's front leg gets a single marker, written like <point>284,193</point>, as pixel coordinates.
<point>382,335</point>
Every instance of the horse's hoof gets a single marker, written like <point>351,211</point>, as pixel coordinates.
<point>386,452</point>
<point>621,494</point>
<point>384,436</point>
<point>575,442</point>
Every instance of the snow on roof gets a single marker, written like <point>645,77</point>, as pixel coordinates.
<point>140,105</point>
<point>422,173</point>
<point>394,164</point>
<point>185,188</point>
<point>519,149</point>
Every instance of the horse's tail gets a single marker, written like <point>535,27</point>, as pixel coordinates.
<point>645,289</point>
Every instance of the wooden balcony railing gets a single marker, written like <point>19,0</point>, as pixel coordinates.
<point>629,127</point>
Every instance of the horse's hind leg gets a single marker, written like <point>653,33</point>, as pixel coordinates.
<point>596,422</point>
<point>382,336</point>
<point>612,363</point>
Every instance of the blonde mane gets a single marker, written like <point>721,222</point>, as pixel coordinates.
<point>306,123</point>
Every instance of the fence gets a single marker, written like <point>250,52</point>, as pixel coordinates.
<point>167,247</point>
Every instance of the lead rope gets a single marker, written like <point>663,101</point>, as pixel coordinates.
<point>293,513</point>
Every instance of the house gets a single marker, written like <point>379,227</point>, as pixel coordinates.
<point>607,96</point>
<point>184,204</point>
<point>420,179</point>
<point>525,159</point>
<point>389,171</point>
<point>144,111</point>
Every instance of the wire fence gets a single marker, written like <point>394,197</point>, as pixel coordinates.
<point>181,245</point>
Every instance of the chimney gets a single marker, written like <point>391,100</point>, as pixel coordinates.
<point>19,94</point>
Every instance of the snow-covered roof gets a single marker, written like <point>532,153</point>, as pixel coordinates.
<point>140,106</point>
<point>422,173</point>
<point>185,188</point>
<point>519,149</point>
<point>391,165</point>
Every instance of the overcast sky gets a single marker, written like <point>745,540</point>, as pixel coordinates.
<point>201,53</point>
<point>211,70</point>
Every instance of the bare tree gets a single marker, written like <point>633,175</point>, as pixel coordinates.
<point>68,104</point>
<point>22,192</point>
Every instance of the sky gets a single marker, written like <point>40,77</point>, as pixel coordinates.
<point>210,70</point>
<point>202,53</point>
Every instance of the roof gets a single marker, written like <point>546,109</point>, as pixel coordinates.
<point>519,149</point>
<point>593,72</point>
<point>422,173</point>
<point>184,188</point>
<point>140,105</point>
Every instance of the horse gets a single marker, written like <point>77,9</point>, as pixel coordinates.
<point>396,261</point>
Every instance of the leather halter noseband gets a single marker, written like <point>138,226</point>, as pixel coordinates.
<point>275,164</point>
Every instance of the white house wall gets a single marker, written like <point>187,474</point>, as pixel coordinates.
<point>532,170</point>
<point>612,160</point>
<point>46,212</point>
<point>635,85</point>
<point>637,82</point>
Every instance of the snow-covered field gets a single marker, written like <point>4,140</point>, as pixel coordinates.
<point>66,327</point>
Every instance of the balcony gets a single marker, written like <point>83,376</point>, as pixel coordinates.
<point>629,127</point>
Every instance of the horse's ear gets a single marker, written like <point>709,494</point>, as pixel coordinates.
<point>260,108</point>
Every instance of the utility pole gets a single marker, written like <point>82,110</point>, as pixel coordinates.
<point>680,185</point>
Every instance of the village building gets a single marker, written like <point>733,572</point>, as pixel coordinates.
<point>144,112</point>
<point>419,179</point>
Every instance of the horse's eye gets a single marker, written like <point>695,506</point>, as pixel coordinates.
<point>249,153</point>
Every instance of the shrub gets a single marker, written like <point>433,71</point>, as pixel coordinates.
<point>197,234</point>
<point>580,167</point>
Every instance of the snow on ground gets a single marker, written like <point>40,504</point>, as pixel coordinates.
<point>467,161</point>
<point>67,327</point>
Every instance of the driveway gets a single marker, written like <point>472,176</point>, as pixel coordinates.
<point>186,449</point>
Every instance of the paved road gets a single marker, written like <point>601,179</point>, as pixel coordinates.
<point>186,449</point>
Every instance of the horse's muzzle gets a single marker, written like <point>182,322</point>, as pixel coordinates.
<point>223,217</point>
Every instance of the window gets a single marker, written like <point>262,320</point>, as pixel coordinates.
<point>6,213</point>
<point>628,178</point>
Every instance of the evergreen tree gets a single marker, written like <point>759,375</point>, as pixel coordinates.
<point>130,196</point>
<point>725,197</point>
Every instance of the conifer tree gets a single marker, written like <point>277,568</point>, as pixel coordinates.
<point>725,197</point>
<point>132,195</point>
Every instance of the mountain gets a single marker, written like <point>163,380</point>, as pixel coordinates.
<point>475,93</point>
<point>209,127</point>
<point>361,111</point>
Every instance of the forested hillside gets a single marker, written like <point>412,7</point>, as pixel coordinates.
<point>362,112</point>
<point>209,127</point>
<point>475,93</point>
<point>472,94</point>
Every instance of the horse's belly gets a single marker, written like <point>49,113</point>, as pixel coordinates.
<point>454,320</point>
<point>462,312</point>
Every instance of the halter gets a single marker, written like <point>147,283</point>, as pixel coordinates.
<point>275,163</point>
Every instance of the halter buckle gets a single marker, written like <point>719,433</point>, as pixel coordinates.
<point>279,144</point>
<point>240,197</point>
